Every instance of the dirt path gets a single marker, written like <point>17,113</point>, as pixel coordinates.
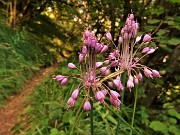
<point>15,105</point>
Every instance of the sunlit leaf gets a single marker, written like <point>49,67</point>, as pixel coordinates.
<point>158,126</point>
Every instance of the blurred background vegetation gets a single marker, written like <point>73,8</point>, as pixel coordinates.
<point>36,34</point>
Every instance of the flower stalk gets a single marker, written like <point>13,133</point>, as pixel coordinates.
<point>134,108</point>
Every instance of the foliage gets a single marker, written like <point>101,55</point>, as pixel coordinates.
<point>20,57</point>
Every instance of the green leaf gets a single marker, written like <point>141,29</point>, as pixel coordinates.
<point>158,126</point>
<point>174,1</point>
<point>174,130</point>
<point>54,131</point>
<point>162,32</point>
<point>153,21</point>
<point>173,41</point>
<point>174,113</point>
<point>173,120</point>
<point>111,119</point>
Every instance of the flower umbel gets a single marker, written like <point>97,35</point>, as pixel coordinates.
<point>96,77</point>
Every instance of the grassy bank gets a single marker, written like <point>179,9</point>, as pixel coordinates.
<point>21,56</point>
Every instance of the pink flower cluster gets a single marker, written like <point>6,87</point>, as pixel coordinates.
<point>96,77</point>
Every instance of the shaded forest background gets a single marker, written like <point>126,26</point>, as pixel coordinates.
<point>36,34</point>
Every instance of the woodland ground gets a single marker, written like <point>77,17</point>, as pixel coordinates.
<point>15,105</point>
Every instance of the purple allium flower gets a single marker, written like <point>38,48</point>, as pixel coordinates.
<point>99,96</point>
<point>81,57</point>
<point>156,73</point>
<point>114,94</point>
<point>139,76</point>
<point>151,50</point>
<point>110,84</point>
<point>145,50</point>
<point>59,77</point>
<point>87,106</point>
<point>108,35</point>
<point>114,63</point>
<point>104,92</point>
<point>120,40</point>
<point>136,81</point>
<point>104,49</point>
<point>75,94</point>
<point>118,83</point>
<point>71,102</point>
<point>125,57</point>
<point>147,38</point>
<point>103,69</point>
<point>71,65</point>
<point>148,73</point>
<point>138,38</point>
<point>106,62</point>
<point>84,50</point>
<point>98,64</point>
<point>64,81</point>
<point>130,84</point>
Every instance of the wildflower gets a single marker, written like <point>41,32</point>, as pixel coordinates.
<point>148,73</point>
<point>108,35</point>
<point>75,94</point>
<point>71,65</point>
<point>71,102</point>
<point>64,81</point>
<point>156,73</point>
<point>147,38</point>
<point>99,96</point>
<point>87,106</point>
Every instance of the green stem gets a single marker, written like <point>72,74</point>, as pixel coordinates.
<point>135,102</point>
<point>91,114</point>
<point>118,115</point>
<point>122,100</point>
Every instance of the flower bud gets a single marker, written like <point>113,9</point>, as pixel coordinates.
<point>114,94</point>
<point>104,49</point>
<point>156,73</point>
<point>98,64</point>
<point>145,50</point>
<point>147,38</point>
<point>99,96</point>
<point>126,36</point>
<point>59,77</point>
<point>110,84</point>
<point>87,106</point>
<point>148,73</point>
<point>106,62</point>
<point>130,84</point>
<point>120,40</point>
<point>75,94</point>
<point>103,69</point>
<point>131,17</point>
<point>138,38</point>
<point>71,65</point>
<point>139,76</point>
<point>108,35</point>
<point>104,92</point>
<point>71,102</point>
<point>84,50</point>
<point>136,81</point>
<point>114,63</point>
<point>81,57</point>
<point>118,84</point>
<point>64,81</point>
<point>151,50</point>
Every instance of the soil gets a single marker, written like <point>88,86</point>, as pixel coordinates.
<point>15,105</point>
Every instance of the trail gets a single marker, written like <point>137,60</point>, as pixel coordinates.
<point>15,105</point>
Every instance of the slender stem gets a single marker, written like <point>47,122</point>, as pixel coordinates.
<point>135,102</point>
<point>122,100</point>
<point>91,115</point>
